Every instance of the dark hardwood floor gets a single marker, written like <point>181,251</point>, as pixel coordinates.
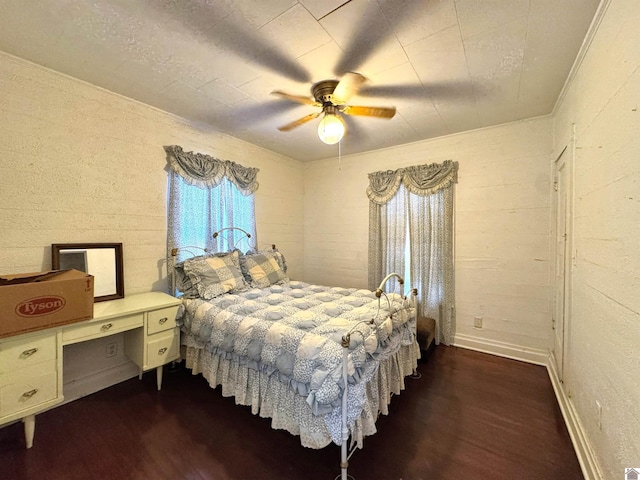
<point>471,416</point>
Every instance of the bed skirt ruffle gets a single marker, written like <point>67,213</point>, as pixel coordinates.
<point>270,398</point>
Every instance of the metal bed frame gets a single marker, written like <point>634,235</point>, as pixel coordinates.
<point>345,452</point>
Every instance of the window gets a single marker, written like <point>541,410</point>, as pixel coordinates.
<point>199,212</point>
<point>394,245</point>
<point>411,233</point>
<point>206,195</point>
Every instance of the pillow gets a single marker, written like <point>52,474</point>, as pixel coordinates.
<point>262,269</point>
<point>280,259</point>
<point>183,282</point>
<point>215,275</point>
<point>277,254</point>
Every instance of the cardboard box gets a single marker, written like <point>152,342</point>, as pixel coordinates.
<point>35,301</point>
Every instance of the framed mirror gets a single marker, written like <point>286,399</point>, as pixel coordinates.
<point>102,260</point>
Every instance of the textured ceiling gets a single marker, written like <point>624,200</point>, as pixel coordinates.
<point>446,65</point>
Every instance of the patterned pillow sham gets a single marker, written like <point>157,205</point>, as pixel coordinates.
<point>280,259</point>
<point>277,254</point>
<point>262,269</point>
<point>215,275</point>
<point>183,282</point>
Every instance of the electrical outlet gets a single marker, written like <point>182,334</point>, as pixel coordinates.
<point>112,349</point>
<point>477,322</point>
<point>599,414</point>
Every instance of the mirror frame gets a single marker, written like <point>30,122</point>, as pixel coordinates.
<point>118,267</point>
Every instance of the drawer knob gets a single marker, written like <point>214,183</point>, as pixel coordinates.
<point>162,351</point>
<point>162,321</point>
<point>28,353</point>
<point>106,327</point>
<point>30,393</point>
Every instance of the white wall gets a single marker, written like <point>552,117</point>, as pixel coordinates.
<point>80,164</point>
<point>502,228</point>
<point>603,362</point>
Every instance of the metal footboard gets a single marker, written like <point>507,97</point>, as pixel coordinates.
<point>345,453</point>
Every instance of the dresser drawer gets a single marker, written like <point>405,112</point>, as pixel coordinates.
<point>162,348</point>
<point>28,388</point>
<point>101,328</point>
<point>22,353</point>
<point>161,320</point>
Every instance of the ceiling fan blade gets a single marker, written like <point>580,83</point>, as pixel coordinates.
<point>450,90</point>
<point>257,114</point>
<point>356,133</point>
<point>376,24</point>
<point>226,33</point>
<point>395,91</point>
<point>379,112</point>
<point>300,121</point>
<point>297,98</point>
<point>348,86</point>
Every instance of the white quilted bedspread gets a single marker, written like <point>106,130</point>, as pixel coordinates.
<point>294,331</point>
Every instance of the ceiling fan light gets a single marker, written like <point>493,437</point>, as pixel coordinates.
<point>331,129</point>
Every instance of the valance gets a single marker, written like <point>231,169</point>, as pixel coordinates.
<point>205,171</point>
<point>420,180</point>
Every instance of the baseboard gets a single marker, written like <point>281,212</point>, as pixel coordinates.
<point>588,463</point>
<point>83,386</point>
<point>501,349</point>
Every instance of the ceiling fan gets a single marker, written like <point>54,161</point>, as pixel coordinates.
<point>332,96</point>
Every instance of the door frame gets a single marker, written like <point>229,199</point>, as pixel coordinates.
<point>565,160</point>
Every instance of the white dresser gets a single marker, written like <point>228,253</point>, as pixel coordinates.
<point>31,375</point>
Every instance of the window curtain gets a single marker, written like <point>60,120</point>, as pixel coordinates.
<point>205,195</point>
<point>413,207</point>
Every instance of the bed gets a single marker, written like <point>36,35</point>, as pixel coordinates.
<point>287,349</point>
